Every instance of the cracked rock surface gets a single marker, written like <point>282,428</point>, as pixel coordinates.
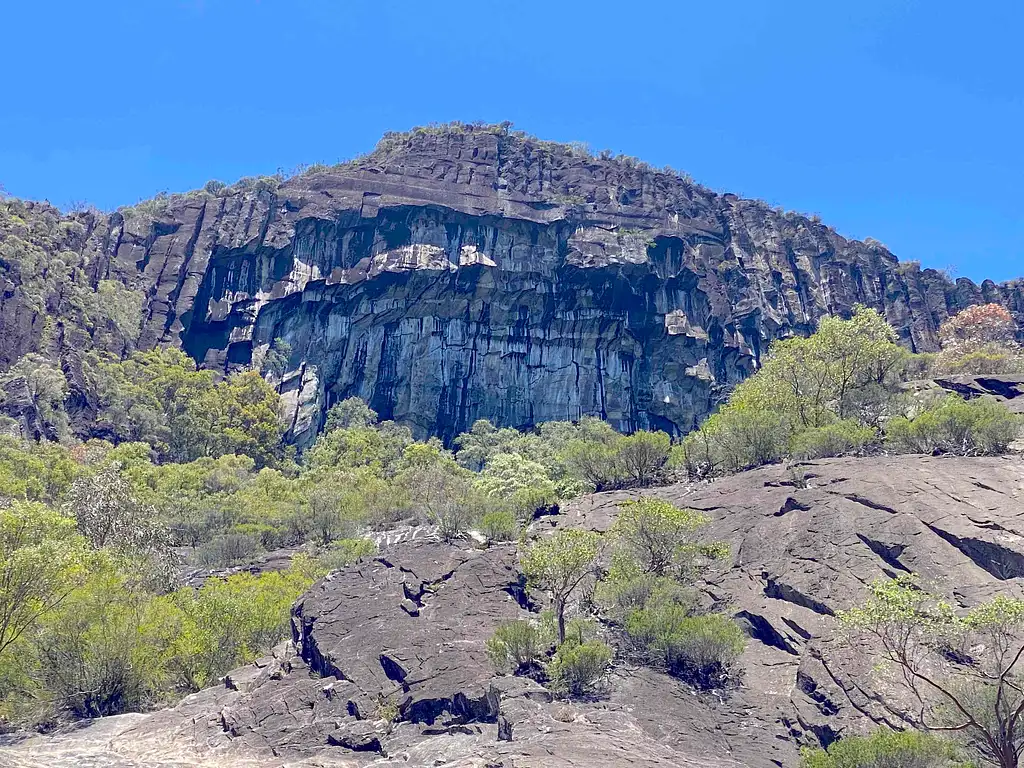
<point>408,628</point>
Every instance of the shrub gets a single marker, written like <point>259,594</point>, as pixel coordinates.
<point>836,439</point>
<point>500,525</point>
<point>559,564</point>
<point>517,646</point>
<point>344,552</point>
<point>228,550</point>
<point>595,463</point>
<point>578,668</point>
<point>956,426</point>
<point>627,589</point>
<point>522,483</point>
<point>662,538</point>
<point>642,456</point>
<point>699,649</point>
<point>884,749</point>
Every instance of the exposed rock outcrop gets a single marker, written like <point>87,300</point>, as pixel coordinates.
<point>475,273</point>
<point>408,629</point>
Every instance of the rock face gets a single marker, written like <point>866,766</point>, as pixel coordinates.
<point>388,666</point>
<point>476,273</point>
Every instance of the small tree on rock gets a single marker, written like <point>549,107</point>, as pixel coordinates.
<point>559,564</point>
<point>962,671</point>
<point>662,538</point>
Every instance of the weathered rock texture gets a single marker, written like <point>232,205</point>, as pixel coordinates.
<point>404,636</point>
<point>475,273</point>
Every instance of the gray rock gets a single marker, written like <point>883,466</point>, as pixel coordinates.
<point>451,277</point>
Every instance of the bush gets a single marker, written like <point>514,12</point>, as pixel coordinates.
<point>956,426</point>
<point>500,525</point>
<point>578,668</point>
<point>884,749</point>
<point>517,646</point>
<point>343,552</point>
<point>836,439</point>
<point>523,484</point>
<point>627,588</point>
<point>698,649</point>
<point>661,538</point>
<point>642,456</point>
<point>228,550</point>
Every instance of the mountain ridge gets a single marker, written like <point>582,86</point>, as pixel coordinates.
<point>466,271</point>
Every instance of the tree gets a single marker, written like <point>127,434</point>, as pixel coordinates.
<point>961,670</point>
<point>662,538</point>
<point>980,339</point>
<point>42,561</point>
<point>559,564</point>
<point>110,515</point>
<point>522,483</point>
<point>350,412</point>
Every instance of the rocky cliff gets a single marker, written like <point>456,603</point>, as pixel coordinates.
<point>474,272</point>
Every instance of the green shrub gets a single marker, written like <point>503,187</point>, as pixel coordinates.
<point>579,668</point>
<point>627,588</point>
<point>524,485</point>
<point>884,749</point>
<point>955,426</point>
<point>518,646</point>
<point>500,525</point>
<point>642,456</point>
<point>228,550</point>
<point>698,649</point>
<point>662,538</point>
<point>836,439</point>
<point>344,552</point>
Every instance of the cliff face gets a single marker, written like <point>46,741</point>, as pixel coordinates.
<point>469,274</point>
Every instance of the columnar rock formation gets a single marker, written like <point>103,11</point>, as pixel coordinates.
<point>475,273</point>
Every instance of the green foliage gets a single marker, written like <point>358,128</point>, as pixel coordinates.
<point>839,438</point>
<point>351,412</point>
<point>699,649</point>
<point>517,646</point>
<point>500,525</point>
<point>35,471</point>
<point>161,398</point>
<point>884,749</point>
<point>226,623</point>
<point>957,426</point>
<point>42,561</point>
<point>642,455</point>
<point>960,666</point>
<point>579,667</point>
<point>524,485</point>
<point>559,564</point>
<point>342,553</point>
<point>663,539</point>
<point>827,395</point>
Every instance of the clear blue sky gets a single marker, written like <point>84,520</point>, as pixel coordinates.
<point>900,120</point>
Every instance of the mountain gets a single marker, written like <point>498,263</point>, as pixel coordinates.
<point>457,273</point>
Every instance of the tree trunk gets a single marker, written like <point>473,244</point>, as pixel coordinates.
<point>559,607</point>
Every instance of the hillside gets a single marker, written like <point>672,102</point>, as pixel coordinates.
<point>412,623</point>
<point>453,274</point>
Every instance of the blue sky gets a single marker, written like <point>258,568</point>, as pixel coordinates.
<point>895,119</point>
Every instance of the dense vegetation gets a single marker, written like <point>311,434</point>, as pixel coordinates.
<point>840,391</point>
